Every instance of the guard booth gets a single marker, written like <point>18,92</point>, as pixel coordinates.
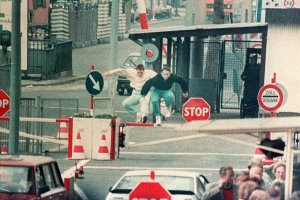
<point>251,76</point>
<point>204,63</point>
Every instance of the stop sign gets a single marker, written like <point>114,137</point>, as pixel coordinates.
<point>195,109</point>
<point>149,190</point>
<point>4,103</point>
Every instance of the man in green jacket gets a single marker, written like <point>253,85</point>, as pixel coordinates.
<point>161,86</point>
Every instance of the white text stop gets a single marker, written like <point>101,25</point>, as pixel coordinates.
<point>195,111</point>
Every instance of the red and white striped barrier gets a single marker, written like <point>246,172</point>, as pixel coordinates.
<point>63,129</point>
<point>143,14</point>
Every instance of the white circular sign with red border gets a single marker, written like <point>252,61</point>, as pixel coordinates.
<point>270,97</point>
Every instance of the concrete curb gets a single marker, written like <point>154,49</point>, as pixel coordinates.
<point>64,80</point>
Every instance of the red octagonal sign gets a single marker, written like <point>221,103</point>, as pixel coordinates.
<point>148,191</point>
<point>195,109</point>
<point>4,103</point>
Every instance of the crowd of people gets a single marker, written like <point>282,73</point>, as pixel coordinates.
<point>251,184</point>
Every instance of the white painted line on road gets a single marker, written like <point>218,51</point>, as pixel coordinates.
<point>80,192</point>
<point>156,168</point>
<point>185,154</point>
<point>167,140</point>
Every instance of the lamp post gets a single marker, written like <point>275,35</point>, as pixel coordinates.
<point>15,79</point>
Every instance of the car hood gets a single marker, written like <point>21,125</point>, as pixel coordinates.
<point>115,196</point>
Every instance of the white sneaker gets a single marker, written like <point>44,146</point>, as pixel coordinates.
<point>158,121</point>
<point>138,117</point>
<point>168,111</point>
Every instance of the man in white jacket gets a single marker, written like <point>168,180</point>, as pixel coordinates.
<point>138,77</point>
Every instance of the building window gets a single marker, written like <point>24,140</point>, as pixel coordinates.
<point>39,3</point>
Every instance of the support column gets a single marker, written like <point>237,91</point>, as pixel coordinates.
<point>114,47</point>
<point>246,15</point>
<point>186,58</point>
<point>157,64</point>
<point>169,52</point>
<point>15,79</point>
<point>179,70</point>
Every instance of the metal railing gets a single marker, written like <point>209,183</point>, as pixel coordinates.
<point>46,58</point>
<point>40,108</point>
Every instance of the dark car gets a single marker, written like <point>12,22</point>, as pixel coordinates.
<point>123,84</point>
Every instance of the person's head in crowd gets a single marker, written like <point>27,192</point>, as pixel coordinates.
<point>256,173</point>
<point>226,177</point>
<point>295,195</point>
<point>276,191</point>
<point>255,161</point>
<point>241,176</point>
<point>279,171</point>
<point>245,188</point>
<point>259,194</point>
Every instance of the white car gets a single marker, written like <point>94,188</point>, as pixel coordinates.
<point>182,185</point>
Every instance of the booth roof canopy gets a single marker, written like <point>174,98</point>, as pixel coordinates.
<point>198,30</point>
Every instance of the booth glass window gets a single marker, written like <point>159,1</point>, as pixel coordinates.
<point>296,172</point>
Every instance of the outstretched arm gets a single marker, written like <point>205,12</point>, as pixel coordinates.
<point>117,71</point>
<point>146,87</point>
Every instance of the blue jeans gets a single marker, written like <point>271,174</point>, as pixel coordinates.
<point>130,104</point>
<point>156,95</point>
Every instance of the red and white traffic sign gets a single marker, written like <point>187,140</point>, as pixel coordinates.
<point>270,97</point>
<point>4,103</point>
<point>148,191</point>
<point>195,109</point>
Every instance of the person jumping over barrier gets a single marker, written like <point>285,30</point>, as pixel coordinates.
<point>138,77</point>
<point>160,86</point>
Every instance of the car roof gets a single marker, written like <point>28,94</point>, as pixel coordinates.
<point>24,160</point>
<point>163,172</point>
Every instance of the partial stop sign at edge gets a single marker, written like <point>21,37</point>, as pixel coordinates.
<point>195,109</point>
<point>4,103</point>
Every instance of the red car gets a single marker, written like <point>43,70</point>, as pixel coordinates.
<point>30,177</point>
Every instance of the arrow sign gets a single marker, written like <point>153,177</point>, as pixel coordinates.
<point>94,83</point>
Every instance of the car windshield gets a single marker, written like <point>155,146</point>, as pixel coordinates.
<point>14,179</point>
<point>174,184</point>
<point>133,61</point>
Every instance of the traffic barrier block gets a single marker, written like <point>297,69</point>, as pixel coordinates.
<point>78,150</point>
<point>103,153</point>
